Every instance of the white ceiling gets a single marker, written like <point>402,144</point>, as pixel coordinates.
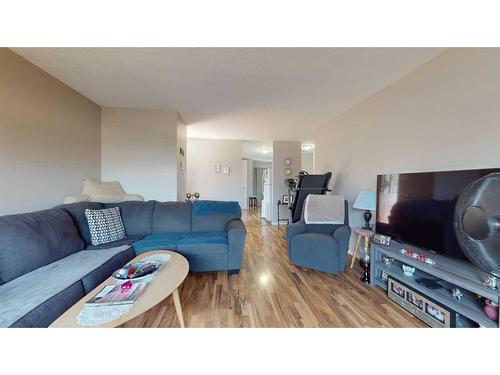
<point>233,93</point>
<point>257,150</point>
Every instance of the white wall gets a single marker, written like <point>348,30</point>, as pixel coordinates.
<point>244,184</point>
<point>307,162</point>
<point>49,137</point>
<point>202,155</point>
<point>139,149</point>
<point>281,151</point>
<point>181,160</point>
<point>443,116</point>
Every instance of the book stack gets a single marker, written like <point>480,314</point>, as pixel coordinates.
<point>113,295</point>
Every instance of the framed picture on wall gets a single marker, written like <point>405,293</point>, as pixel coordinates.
<point>285,199</point>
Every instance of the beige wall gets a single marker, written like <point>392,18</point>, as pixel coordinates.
<point>139,149</point>
<point>307,162</point>
<point>281,151</point>
<point>203,154</point>
<point>49,137</point>
<point>443,116</point>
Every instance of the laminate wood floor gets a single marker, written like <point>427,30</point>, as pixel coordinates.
<point>271,292</point>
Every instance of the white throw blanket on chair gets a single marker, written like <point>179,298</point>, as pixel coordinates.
<point>324,209</point>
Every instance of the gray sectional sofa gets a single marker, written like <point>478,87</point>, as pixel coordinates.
<point>47,262</point>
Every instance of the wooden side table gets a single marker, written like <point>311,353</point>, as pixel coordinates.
<point>367,234</point>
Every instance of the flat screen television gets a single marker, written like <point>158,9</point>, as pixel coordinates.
<point>418,208</point>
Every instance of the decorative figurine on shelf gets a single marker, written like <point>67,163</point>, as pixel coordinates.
<point>491,282</point>
<point>387,261</point>
<point>420,257</point>
<point>408,270</point>
<point>384,276</point>
<point>456,293</point>
<point>430,261</point>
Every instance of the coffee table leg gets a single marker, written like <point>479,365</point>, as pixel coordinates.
<point>178,308</point>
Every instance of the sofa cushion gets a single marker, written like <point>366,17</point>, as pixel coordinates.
<point>137,216</point>
<point>77,212</point>
<point>189,249</point>
<point>33,240</point>
<point>172,217</point>
<point>47,312</point>
<point>166,241</point>
<point>203,243</point>
<point>26,292</point>
<point>105,270</point>
<point>207,263</point>
<point>194,242</point>
<point>105,225</point>
<point>318,251</point>
<point>124,241</point>
<point>213,216</point>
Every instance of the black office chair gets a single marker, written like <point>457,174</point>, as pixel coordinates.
<point>308,184</point>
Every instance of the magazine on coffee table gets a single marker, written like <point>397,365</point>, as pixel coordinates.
<point>112,295</point>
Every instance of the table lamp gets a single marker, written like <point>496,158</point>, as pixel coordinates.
<point>366,200</point>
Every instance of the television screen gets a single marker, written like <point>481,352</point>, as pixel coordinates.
<point>418,208</point>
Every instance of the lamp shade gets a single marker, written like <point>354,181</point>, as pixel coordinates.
<point>366,200</point>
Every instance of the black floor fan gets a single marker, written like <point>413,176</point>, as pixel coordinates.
<point>308,184</point>
<point>477,223</point>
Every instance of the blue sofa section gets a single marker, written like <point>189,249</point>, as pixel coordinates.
<point>209,234</point>
<point>321,247</point>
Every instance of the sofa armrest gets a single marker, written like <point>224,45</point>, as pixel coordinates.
<point>295,228</point>
<point>236,234</point>
<point>342,235</point>
<point>292,230</point>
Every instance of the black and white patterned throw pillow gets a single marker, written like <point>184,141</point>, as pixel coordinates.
<point>105,225</point>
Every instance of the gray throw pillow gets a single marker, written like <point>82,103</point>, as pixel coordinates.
<point>105,225</point>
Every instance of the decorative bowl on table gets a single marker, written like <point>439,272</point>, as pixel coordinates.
<point>137,270</point>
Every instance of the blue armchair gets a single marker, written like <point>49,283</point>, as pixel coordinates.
<point>321,247</point>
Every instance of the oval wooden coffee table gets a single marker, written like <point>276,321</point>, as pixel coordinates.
<point>166,281</point>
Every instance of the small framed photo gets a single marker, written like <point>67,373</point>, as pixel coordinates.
<point>285,199</point>
<point>381,239</point>
<point>423,307</point>
<point>384,276</point>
